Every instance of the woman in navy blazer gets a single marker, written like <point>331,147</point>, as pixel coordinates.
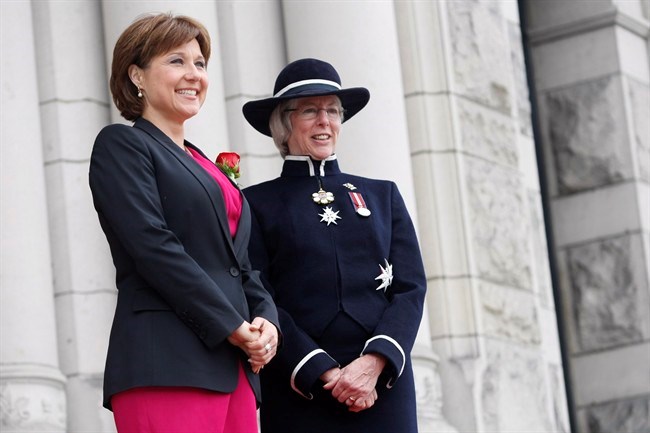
<point>340,256</point>
<point>193,323</point>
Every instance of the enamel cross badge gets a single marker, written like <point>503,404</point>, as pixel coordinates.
<point>329,216</point>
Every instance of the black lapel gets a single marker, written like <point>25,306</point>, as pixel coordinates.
<point>244,222</point>
<point>210,186</point>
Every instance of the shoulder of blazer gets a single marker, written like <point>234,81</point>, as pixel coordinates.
<point>120,132</point>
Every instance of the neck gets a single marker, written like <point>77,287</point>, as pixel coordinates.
<point>174,130</point>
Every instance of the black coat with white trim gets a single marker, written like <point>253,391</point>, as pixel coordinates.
<point>319,272</point>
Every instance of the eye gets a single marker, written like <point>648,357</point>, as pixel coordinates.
<point>333,111</point>
<point>311,111</point>
<point>177,61</point>
<point>200,64</point>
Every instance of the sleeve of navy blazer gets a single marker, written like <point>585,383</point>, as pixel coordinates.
<point>125,192</point>
<point>305,362</point>
<point>395,334</point>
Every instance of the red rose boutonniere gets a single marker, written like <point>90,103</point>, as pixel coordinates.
<point>229,163</point>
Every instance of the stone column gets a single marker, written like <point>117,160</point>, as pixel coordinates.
<point>490,300</point>
<point>32,391</point>
<point>251,59</point>
<point>73,108</point>
<point>592,84</point>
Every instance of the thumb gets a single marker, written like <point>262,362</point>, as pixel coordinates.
<point>257,324</point>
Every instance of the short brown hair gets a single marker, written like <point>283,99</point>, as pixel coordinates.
<point>147,37</point>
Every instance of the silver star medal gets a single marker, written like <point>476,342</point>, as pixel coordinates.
<point>386,276</point>
<point>329,216</point>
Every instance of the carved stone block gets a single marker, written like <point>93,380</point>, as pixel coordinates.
<point>487,133</point>
<point>429,393</point>
<point>32,406</point>
<point>620,416</point>
<point>586,130</point>
<point>514,394</point>
<point>499,232</point>
<point>479,47</point>
<point>610,290</point>
<point>522,97</point>
<point>509,314</point>
<point>639,94</point>
<point>541,266</point>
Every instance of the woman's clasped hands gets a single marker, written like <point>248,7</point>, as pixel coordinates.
<point>258,339</point>
<point>354,385</point>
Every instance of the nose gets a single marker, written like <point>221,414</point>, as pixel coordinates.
<point>192,73</point>
<point>322,116</point>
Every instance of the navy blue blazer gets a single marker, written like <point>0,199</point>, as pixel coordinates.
<point>184,284</point>
<point>318,267</point>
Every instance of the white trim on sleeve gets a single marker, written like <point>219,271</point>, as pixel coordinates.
<point>302,362</point>
<point>391,340</point>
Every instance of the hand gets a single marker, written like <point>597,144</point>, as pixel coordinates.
<point>362,403</point>
<point>243,336</point>
<point>265,347</point>
<point>356,384</point>
<point>330,377</point>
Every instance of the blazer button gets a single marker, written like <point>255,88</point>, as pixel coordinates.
<point>234,271</point>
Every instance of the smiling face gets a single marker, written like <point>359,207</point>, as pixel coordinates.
<point>174,84</point>
<point>314,137</point>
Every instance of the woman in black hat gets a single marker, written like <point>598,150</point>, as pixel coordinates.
<point>340,257</point>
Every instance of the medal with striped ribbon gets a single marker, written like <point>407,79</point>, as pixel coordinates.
<point>359,204</point>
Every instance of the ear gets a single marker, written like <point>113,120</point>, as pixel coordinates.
<point>135,74</point>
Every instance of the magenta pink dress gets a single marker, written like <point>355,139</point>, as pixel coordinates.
<point>186,409</point>
<point>231,195</point>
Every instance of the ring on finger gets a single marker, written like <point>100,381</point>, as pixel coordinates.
<point>268,347</point>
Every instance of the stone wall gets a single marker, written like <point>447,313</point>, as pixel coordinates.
<point>592,84</point>
<point>492,316</point>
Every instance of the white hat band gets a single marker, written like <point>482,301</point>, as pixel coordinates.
<point>304,82</point>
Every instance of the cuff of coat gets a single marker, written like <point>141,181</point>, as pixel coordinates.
<point>309,370</point>
<point>391,350</point>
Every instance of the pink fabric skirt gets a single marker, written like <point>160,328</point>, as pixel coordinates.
<point>185,409</point>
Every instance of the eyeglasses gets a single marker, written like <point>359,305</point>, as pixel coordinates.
<point>311,113</point>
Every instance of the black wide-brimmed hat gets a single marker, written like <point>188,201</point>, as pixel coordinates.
<point>300,79</point>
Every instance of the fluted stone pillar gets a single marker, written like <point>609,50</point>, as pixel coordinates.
<point>593,86</point>
<point>252,54</point>
<point>490,299</point>
<point>32,395</point>
<point>73,108</point>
